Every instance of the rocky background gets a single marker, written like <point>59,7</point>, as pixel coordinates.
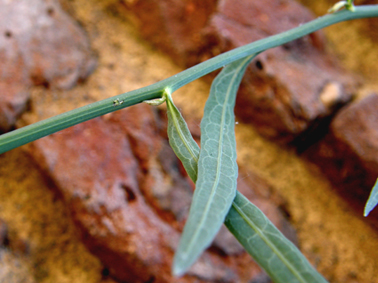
<point>105,201</point>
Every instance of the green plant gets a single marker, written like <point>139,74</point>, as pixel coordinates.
<point>372,201</point>
<point>213,167</point>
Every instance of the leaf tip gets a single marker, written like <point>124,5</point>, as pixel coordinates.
<point>367,210</point>
<point>372,201</point>
<point>178,268</point>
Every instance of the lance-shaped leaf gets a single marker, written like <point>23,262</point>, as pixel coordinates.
<point>217,168</point>
<point>373,200</point>
<point>181,139</point>
<point>265,243</point>
<point>246,221</point>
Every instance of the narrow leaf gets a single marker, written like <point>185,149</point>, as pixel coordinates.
<point>217,168</point>
<point>246,221</point>
<point>267,245</point>
<point>181,140</point>
<point>372,201</point>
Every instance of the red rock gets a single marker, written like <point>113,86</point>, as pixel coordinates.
<point>348,155</point>
<point>13,88</point>
<point>39,45</point>
<point>96,171</point>
<point>129,197</point>
<point>285,90</point>
<point>174,26</point>
<point>54,49</point>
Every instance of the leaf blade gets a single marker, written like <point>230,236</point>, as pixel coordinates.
<point>372,200</point>
<point>267,245</point>
<point>217,168</point>
<point>241,217</point>
<point>181,140</point>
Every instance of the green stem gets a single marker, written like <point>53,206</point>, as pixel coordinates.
<point>46,127</point>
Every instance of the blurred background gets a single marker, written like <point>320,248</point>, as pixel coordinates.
<point>105,201</point>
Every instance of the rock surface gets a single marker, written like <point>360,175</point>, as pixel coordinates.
<point>174,26</point>
<point>348,154</point>
<point>13,265</point>
<point>3,233</point>
<point>127,192</point>
<point>286,90</point>
<point>39,45</point>
<point>14,268</point>
<point>337,246</point>
<point>41,243</point>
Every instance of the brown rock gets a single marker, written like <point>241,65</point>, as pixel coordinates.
<point>286,90</point>
<point>174,26</point>
<point>54,49</point>
<point>348,155</point>
<point>95,168</point>
<point>40,45</point>
<point>3,233</point>
<point>13,87</point>
<point>128,195</point>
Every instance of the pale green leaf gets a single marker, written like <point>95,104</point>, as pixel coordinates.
<point>217,168</point>
<point>181,139</point>
<point>373,200</point>
<point>265,243</point>
<point>247,221</point>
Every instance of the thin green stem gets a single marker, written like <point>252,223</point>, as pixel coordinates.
<point>221,60</point>
<point>46,127</point>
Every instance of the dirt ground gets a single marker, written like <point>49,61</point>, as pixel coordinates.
<point>335,239</point>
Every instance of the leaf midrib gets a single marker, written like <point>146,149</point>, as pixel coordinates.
<point>219,158</point>
<point>182,136</point>
<point>268,242</point>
